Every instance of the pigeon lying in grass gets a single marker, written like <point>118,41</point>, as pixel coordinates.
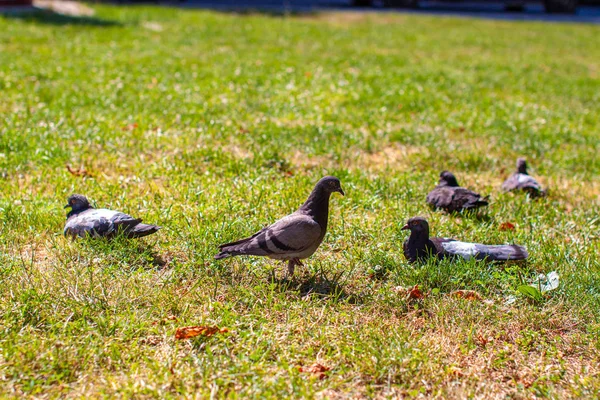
<point>521,180</point>
<point>294,237</point>
<point>419,246</point>
<point>449,196</point>
<point>84,220</point>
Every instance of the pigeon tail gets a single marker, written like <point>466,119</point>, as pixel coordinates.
<point>141,230</point>
<point>249,246</point>
<point>238,250</point>
<point>536,193</point>
<point>223,254</point>
<point>502,252</point>
<point>477,203</point>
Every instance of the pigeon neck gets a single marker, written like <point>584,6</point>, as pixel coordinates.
<point>417,243</point>
<point>447,184</point>
<point>77,211</point>
<point>522,169</point>
<point>317,206</point>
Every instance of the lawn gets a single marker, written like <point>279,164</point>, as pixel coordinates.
<point>213,125</point>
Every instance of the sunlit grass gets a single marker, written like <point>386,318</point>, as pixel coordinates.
<point>214,125</point>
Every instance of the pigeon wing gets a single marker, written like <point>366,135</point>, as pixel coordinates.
<point>98,223</point>
<point>478,251</point>
<point>528,182</point>
<point>465,199</point>
<point>290,235</point>
<point>440,197</point>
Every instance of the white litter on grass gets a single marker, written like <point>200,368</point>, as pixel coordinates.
<point>545,283</point>
<point>153,26</point>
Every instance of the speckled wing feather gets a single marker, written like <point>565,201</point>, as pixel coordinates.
<point>518,181</point>
<point>99,223</point>
<point>289,237</point>
<point>479,251</point>
<point>454,199</point>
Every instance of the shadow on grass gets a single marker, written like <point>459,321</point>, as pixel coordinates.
<point>43,16</point>
<point>126,254</point>
<point>318,285</point>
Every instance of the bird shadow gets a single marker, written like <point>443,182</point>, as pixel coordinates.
<point>317,285</point>
<point>44,16</point>
<point>127,254</point>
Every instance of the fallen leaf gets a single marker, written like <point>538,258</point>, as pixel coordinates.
<point>410,292</point>
<point>467,294</point>
<point>483,341</point>
<point>506,226</point>
<point>78,172</point>
<point>188,332</point>
<point>415,293</point>
<point>317,369</point>
<point>129,127</point>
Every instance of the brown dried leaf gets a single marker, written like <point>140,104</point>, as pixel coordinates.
<point>129,127</point>
<point>78,172</point>
<point>467,294</point>
<point>415,293</point>
<point>410,292</point>
<point>506,226</point>
<point>318,369</point>
<point>188,332</point>
<point>482,340</point>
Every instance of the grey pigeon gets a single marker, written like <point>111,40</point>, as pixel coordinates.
<point>85,220</point>
<point>449,196</point>
<point>419,246</point>
<point>521,180</point>
<point>294,237</point>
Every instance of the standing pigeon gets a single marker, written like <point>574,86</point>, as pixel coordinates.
<point>521,180</point>
<point>294,237</point>
<point>449,196</point>
<point>419,246</point>
<point>84,220</point>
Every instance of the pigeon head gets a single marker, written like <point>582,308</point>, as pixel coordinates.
<point>77,203</point>
<point>330,184</point>
<point>448,179</point>
<point>521,166</point>
<point>417,225</point>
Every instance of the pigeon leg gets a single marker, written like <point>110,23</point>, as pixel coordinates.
<point>298,262</point>
<point>291,265</point>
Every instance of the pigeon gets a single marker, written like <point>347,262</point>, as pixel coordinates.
<point>521,180</point>
<point>84,220</point>
<point>419,246</point>
<point>449,196</point>
<point>294,237</point>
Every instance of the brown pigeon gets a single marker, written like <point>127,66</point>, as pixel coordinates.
<point>449,196</point>
<point>522,181</point>
<point>294,237</point>
<point>419,246</point>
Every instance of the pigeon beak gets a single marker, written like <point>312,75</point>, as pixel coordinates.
<point>67,206</point>
<point>341,192</point>
<point>405,227</point>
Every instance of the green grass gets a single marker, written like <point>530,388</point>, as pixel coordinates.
<point>213,125</point>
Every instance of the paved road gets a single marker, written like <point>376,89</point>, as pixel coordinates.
<point>533,11</point>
